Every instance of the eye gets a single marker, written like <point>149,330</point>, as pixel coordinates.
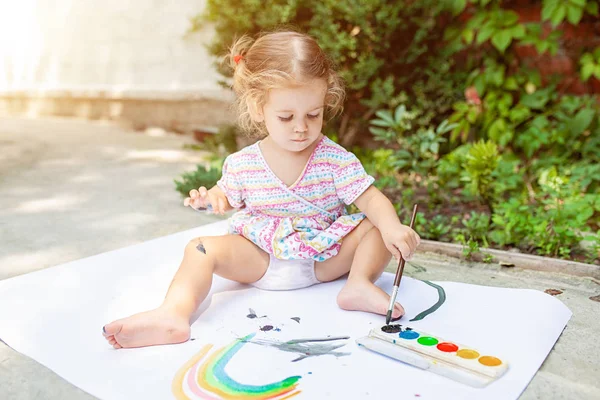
<point>314,116</point>
<point>286,119</point>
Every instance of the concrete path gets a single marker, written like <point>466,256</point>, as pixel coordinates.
<point>71,189</point>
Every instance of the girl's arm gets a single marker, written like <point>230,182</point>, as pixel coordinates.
<point>398,238</point>
<point>377,207</point>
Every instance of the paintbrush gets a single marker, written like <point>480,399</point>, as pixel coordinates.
<point>399,272</point>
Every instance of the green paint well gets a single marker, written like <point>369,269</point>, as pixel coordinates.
<point>427,341</point>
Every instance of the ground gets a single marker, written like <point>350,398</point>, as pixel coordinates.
<point>72,189</point>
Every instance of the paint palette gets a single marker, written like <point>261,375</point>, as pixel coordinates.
<point>455,361</point>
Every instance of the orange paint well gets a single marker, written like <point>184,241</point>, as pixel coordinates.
<point>490,361</point>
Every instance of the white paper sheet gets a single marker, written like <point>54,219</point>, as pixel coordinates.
<point>55,316</point>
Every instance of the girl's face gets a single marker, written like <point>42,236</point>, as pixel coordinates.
<point>294,116</point>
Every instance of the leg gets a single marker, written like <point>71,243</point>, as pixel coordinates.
<point>365,256</point>
<point>170,323</point>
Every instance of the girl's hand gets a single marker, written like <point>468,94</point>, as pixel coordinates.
<point>203,198</point>
<point>401,240</point>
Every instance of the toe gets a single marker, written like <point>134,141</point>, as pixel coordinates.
<point>398,311</point>
<point>113,328</point>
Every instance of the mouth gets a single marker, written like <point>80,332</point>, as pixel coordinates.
<point>299,140</point>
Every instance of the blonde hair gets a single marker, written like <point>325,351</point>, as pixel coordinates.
<point>275,60</point>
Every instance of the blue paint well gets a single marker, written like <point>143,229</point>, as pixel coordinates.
<point>409,335</point>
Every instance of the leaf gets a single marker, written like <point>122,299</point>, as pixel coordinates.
<point>476,20</point>
<point>586,71</point>
<point>559,15</point>
<point>444,127</point>
<point>553,292</point>
<point>536,100</point>
<point>597,71</point>
<point>378,131</point>
<point>509,18</point>
<point>587,58</point>
<point>582,121</point>
<point>592,8</point>
<point>497,129</point>
<point>518,31</point>
<point>468,35</point>
<point>386,116</point>
<point>541,47</point>
<point>380,122</point>
<point>486,31</point>
<point>400,112</point>
<point>548,8</point>
<point>501,39</point>
<point>519,113</point>
<point>511,83</point>
<point>458,6</point>
<point>574,14</point>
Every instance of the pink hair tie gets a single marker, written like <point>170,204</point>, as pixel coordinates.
<point>237,58</point>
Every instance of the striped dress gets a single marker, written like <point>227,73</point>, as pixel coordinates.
<point>306,220</point>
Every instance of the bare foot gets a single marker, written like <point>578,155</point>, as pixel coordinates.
<point>365,296</point>
<point>159,326</point>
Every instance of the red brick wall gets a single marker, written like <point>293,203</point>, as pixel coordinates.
<point>575,41</point>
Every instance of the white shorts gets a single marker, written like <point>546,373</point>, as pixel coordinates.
<point>287,275</point>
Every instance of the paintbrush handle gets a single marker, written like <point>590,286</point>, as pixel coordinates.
<point>400,270</point>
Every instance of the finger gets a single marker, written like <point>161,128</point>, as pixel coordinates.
<point>410,242</point>
<point>202,191</point>
<point>193,193</point>
<point>395,252</point>
<point>212,201</point>
<point>186,202</point>
<point>405,250</point>
<point>418,239</point>
<point>413,242</point>
<point>221,205</point>
<point>199,203</point>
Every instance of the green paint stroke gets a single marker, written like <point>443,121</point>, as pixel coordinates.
<point>217,378</point>
<point>432,309</point>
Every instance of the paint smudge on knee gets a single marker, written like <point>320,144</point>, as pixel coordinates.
<point>201,248</point>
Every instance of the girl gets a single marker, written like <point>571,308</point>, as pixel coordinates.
<point>292,229</point>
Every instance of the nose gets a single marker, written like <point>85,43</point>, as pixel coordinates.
<point>301,127</point>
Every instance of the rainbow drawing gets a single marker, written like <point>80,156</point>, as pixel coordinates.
<point>205,377</point>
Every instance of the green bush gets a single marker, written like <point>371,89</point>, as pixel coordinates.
<point>528,153</point>
<point>495,155</point>
<point>380,47</point>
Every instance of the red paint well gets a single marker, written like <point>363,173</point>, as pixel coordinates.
<point>447,347</point>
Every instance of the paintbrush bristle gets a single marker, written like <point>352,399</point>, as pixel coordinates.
<point>388,317</point>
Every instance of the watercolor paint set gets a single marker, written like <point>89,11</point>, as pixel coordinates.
<point>429,352</point>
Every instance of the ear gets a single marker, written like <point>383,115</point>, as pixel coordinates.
<point>256,113</point>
